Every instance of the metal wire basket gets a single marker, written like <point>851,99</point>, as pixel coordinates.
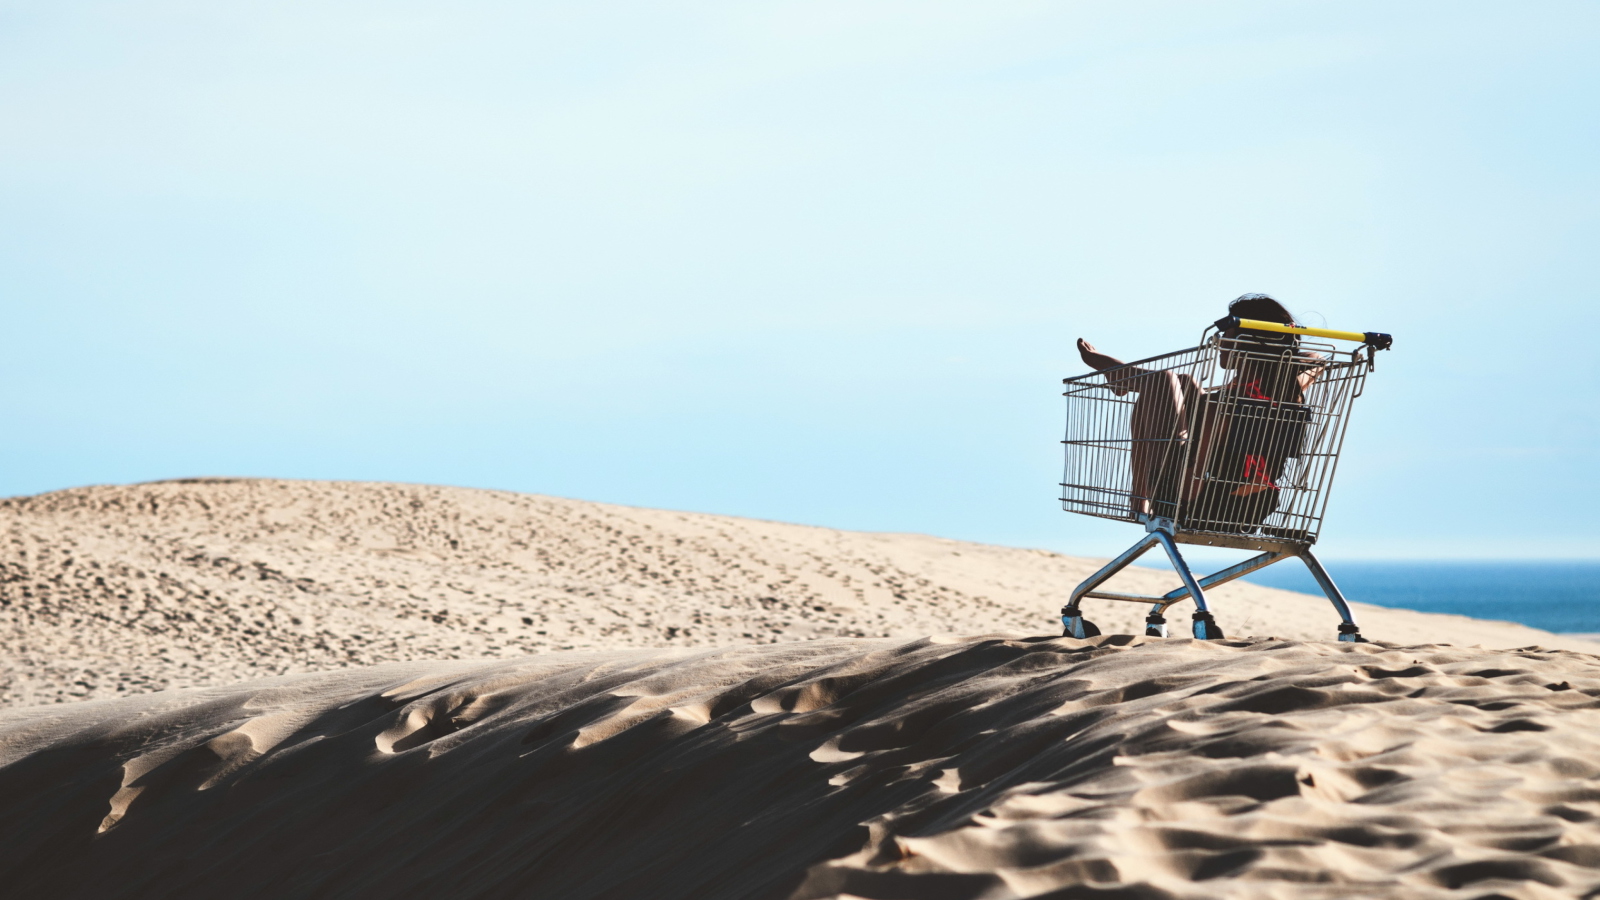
<point>1232,443</point>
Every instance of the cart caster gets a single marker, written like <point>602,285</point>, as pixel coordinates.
<point>1155,625</point>
<point>1350,633</point>
<point>1206,628</point>
<point>1074,625</point>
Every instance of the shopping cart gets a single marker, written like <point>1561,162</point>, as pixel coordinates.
<point>1229,444</point>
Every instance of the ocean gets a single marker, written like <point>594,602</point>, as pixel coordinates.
<point>1562,596</point>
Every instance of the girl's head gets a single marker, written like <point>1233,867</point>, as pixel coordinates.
<point>1262,307</point>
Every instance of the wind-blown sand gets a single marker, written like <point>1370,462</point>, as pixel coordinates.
<point>834,752</point>
<point>964,768</point>
<point>106,591</point>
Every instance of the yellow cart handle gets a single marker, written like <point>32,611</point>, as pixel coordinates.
<point>1377,339</point>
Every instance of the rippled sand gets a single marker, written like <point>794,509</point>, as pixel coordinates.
<point>986,767</point>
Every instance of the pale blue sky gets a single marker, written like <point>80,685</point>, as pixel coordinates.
<point>818,262</point>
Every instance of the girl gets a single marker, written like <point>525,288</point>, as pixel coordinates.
<point>1270,377</point>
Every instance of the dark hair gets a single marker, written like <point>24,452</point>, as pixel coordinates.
<point>1260,306</point>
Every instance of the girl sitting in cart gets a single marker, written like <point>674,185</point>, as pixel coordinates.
<point>1270,375</point>
<point>1214,439</point>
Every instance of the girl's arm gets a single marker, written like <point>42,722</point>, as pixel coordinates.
<point>1315,365</point>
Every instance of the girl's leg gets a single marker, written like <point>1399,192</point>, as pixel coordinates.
<point>1094,359</point>
<point>1158,425</point>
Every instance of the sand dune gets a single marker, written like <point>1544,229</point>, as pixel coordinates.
<point>107,591</point>
<point>830,752</point>
<point>958,769</point>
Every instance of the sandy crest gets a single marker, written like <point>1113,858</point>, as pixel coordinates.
<point>943,769</point>
<point>114,590</point>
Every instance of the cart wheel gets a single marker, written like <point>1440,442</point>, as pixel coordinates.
<point>1206,628</point>
<point>1155,626</point>
<point>1074,625</point>
<point>1082,628</point>
<point>1350,634</point>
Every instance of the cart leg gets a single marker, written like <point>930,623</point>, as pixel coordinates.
<point>1073,624</point>
<point>1223,576</point>
<point>1155,624</point>
<point>1349,631</point>
<point>1205,627</point>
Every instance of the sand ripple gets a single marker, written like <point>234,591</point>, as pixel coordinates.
<point>989,767</point>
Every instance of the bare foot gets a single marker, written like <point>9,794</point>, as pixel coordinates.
<point>1094,358</point>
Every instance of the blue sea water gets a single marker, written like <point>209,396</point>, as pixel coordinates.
<point>1562,596</point>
